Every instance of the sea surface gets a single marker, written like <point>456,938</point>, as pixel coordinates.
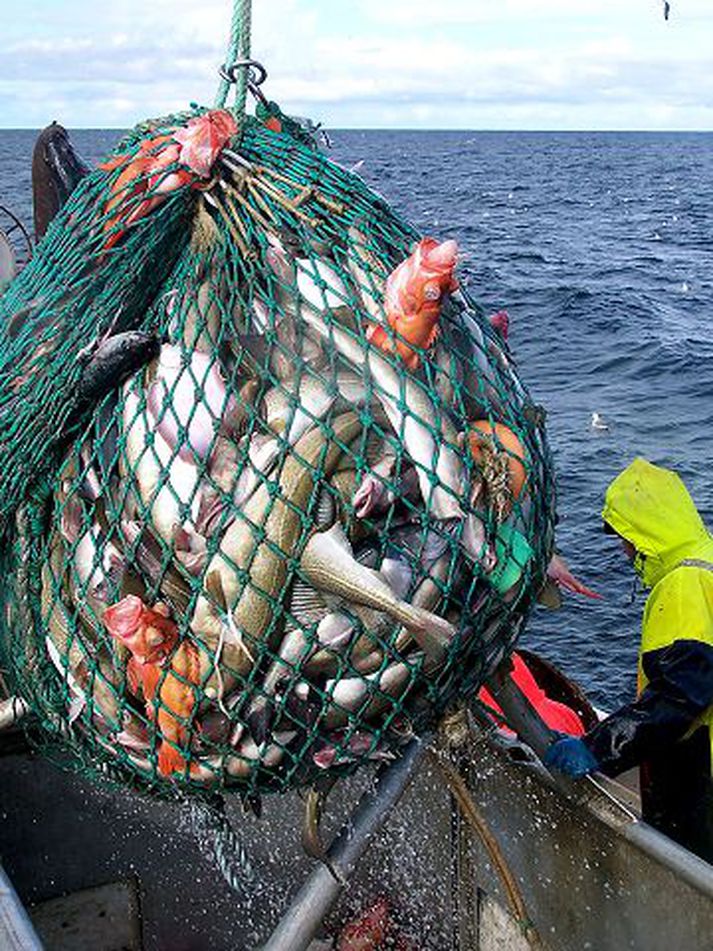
<point>599,246</point>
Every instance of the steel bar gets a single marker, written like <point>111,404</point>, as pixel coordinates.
<point>315,898</point>
<point>519,712</point>
<point>16,931</point>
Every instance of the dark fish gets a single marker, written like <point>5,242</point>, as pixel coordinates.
<point>56,170</point>
<point>113,360</point>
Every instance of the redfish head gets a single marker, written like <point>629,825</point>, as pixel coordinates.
<point>123,619</point>
<point>148,634</point>
<point>434,263</point>
<point>432,267</point>
<point>203,138</point>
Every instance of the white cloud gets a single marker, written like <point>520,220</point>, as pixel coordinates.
<point>416,62</point>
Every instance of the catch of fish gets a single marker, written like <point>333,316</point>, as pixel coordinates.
<point>304,500</point>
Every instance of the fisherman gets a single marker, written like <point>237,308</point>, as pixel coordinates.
<point>668,729</point>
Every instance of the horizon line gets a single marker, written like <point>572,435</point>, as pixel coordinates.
<point>327,128</point>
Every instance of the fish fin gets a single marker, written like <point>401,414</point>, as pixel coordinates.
<point>170,760</point>
<point>377,336</point>
<point>133,677</point>
<point>214,587</point>
<point>306,605</point>
<point>550,596</point>
<point>432,633</point>
<point>432,337</point>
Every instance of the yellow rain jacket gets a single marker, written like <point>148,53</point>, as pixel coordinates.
<point>669,728</point>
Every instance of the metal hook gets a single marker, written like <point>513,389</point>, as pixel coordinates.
<point>257,74</point>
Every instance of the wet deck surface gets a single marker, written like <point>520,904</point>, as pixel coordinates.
<point>60,833</point>
<point>584,885</point>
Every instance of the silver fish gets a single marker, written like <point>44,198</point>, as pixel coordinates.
<point>368,275</point>
<point>367,695</point>
<point>165,482</point>
<point>265,557</point>
<point>430,438</point>
<point>328,563</point>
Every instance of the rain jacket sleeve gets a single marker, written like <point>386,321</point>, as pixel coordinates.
<point>680,688</point>
<point>675,675</point>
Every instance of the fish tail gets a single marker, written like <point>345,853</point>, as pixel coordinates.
<point>432,633</point>
<point>409,356</point>
<point>260,719</point>
<point>170,760</point>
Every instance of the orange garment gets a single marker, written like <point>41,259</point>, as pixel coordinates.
<point>557,716</point>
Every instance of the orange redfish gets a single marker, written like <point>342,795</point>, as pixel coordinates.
<point>176,701</point>
<point>163,164</point>
<point>203,138</point>
<point>149,634</point>
<point>413,297</point>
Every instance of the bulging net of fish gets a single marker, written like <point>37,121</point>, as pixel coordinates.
<point>308,504</point>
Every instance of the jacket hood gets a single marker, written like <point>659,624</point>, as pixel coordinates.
<point>650,507</point>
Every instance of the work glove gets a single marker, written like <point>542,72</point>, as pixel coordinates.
<point>571,756</point>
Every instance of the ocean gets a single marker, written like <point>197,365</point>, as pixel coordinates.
<point>599,247</point>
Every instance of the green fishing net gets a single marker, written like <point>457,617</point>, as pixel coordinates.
<point>257,528</point>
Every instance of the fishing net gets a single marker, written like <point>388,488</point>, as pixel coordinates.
<point>261,525</point>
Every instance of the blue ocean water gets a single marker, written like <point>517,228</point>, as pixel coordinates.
<point>599,246</point>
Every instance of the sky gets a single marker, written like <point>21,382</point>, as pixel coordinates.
<point>471,64</point>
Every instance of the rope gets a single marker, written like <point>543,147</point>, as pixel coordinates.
<point>229,852</point>
<point>238,49</point>
<point>455,732</point>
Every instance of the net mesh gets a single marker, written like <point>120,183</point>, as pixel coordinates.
<point>258,527</point>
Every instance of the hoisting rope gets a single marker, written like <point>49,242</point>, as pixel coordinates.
<point>238,55</point>
<point>455,733</point>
